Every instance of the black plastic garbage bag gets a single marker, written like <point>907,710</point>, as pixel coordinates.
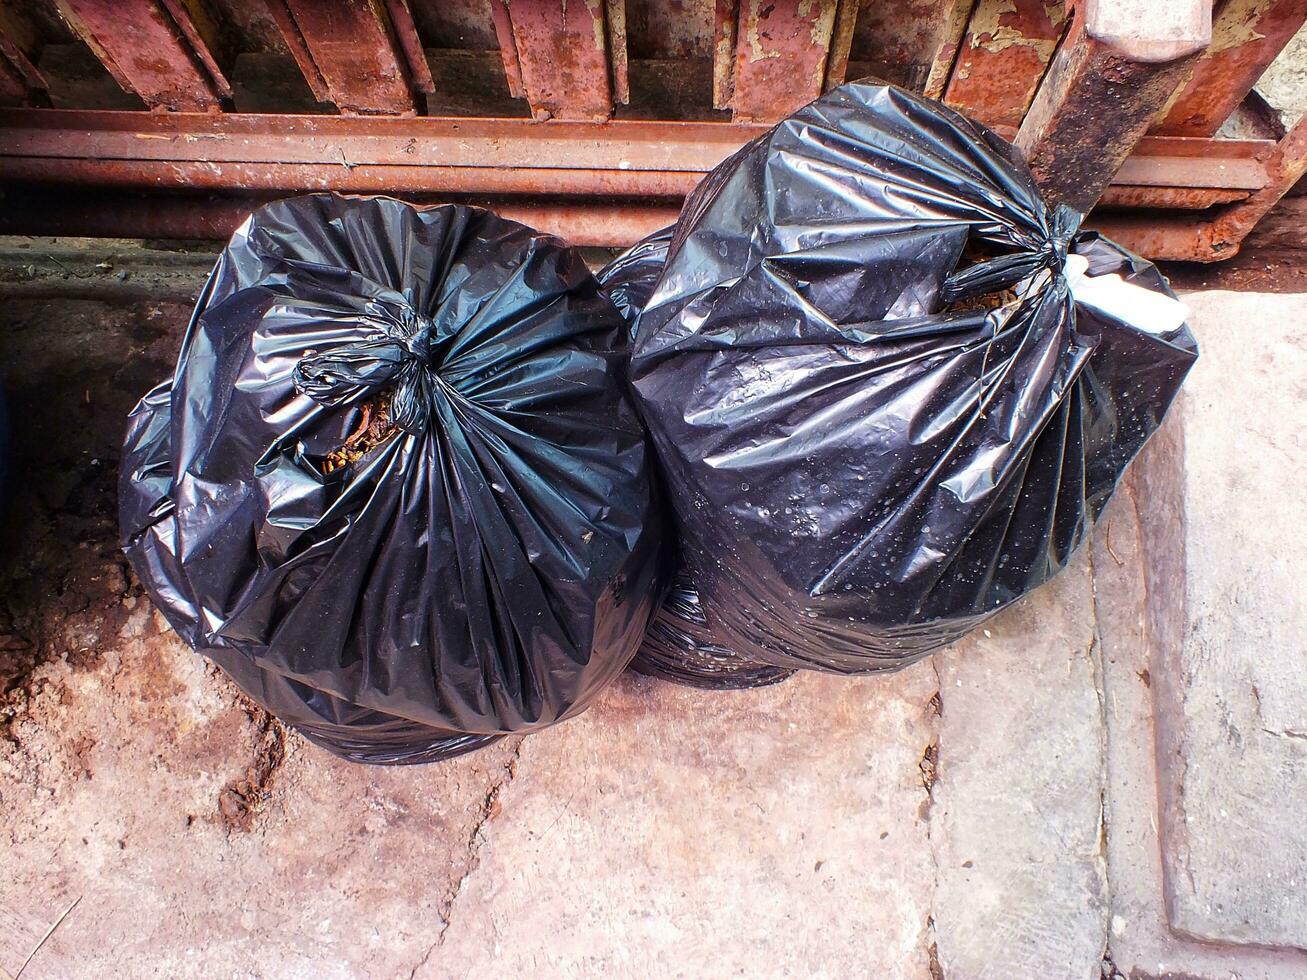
<point>679,645</point>
<point>865,460</point>
<point>396,488</point>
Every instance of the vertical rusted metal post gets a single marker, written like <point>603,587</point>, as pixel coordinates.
<point>1115,70</point>
<point>621,79</point>
<point>507,48</point>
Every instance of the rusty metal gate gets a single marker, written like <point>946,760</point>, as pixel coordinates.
<point>593,118</point>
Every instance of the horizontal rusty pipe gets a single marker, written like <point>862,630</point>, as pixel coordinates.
<point>356,178</point>
<point>118,214</point>
<point>48,211</point>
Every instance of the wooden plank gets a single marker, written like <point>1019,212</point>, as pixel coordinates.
<point>562,54</point>
<point>1005,50</point>
<point>781,49</point>
<point>1117,68</point>
<point>1246,37</point>
<point>148,53</point>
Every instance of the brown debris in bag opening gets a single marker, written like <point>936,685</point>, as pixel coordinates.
<point>975,253</point>
<point>985,301</point>
<point>374,428</point>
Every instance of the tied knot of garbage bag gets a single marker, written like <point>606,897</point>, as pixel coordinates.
<point>1008,270</point>
<point>402,352</point>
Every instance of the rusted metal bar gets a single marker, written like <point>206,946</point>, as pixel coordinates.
<point>42,211</point>
<point>1170,198</point>
<point>562,53</point>
<point>624,158</point>
<point>951,28</point>
<point>781,48</point>
<point>507,48</point>
<point>19,78</point>
<point>21,81</point>
<point>13,87</point>
<point>196,25</point>
<point>1221,237</point>
<point>1006,47</point>
<point>352,178</point>
<point>1118,66</point>
<point>152,49</point>
<point>626,146</point>
<point>723,52</point>
<point>903,41</point>
<point>406,35</point>
<point>621,77</point>
<point>346,52</point>
<point>1285,168</point>
<point>1221,170</point>
<point>294,40</point>
<point>837,63</point>
<point>382,178</point>
<point>1246,37</point>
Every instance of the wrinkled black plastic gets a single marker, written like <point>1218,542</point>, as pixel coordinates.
<point>861,474</point>
<point>488,568</point>
<point>679,646</point>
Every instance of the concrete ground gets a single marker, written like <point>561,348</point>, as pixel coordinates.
<point>1109,781</point>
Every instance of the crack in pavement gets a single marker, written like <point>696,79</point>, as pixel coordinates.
<point>490,807</point>
<point>929,776</point>
<point>1095,654</point>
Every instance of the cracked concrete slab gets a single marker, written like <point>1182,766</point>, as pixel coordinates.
<point>1183,642</point>
<point>1138,557</point>
<point>1237,860</point>
<point>1016,825</point>
<point>670,832</point>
